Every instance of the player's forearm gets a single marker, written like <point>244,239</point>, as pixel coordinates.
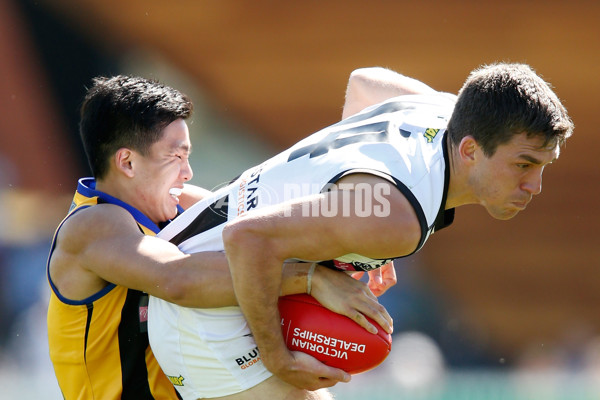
<point>201,280</point>
<point>210,284</point>
<point>256,273</point>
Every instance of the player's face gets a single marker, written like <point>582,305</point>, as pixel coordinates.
<point>161,173</point>
<point>507,181</point>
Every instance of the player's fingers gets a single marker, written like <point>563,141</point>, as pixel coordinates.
<point>325,383</point>
<point>322,375</point>
<point>388,326</point>
<point>389,276</point>
<point>375,276</point>
<point>385,320</point>
<point>357,275</point>
<point>376,289</point>
<point>330,376</point>
<point>363,303</point>
<point>360,319</point>
<point>320,383</point>
<point>377,313</point>
<point>388,279</point>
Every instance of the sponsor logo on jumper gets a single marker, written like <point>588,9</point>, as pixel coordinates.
<point>250,192</point>
<point>247,192</point>
<point>249,359</point>
<point>326,345</point>
<point>143,313</point>
<point>176,380</point>
<point>430,134</point>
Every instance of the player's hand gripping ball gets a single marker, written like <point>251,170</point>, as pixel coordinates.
<point>332,338</point>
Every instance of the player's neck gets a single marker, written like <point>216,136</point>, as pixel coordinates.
<point>459,192</point>
<point>116,189</point>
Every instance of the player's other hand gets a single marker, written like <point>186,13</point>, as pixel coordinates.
<point>381,279</point>
<point>306,372</point>
<point>340,293</point>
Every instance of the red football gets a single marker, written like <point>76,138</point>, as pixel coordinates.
<point>332,338</point>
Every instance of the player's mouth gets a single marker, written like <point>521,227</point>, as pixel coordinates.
<point>521,205</point>
<point>175,193</point>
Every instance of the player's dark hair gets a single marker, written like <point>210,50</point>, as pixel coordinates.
<point>501,100</point>
<point>126,111</point>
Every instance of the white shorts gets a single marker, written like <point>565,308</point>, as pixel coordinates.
<point>204,352</point>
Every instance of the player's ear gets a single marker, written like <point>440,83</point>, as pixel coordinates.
<point>123,160</point>
<point>467,149</point>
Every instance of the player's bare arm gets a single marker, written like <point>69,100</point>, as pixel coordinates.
<point>368,86</point>
<point>86,260</point>
<point>192,194</point>
<point>257,244</point>
<point>116,251</point>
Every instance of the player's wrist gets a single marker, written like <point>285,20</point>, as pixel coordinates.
<point>294,278</point>
<point>320,282</point>
<point>309,277</point>
<point>277,359</point>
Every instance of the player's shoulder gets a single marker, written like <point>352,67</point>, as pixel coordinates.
<point>104,213</point>
<point>87,234</point>
<point>90,223</point>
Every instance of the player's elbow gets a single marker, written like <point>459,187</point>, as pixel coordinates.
<point>359,90</point>
<point>238,235</point>
<point>246,237</point>
<point>198,292</point>
<point>207,285</point>
<point>232,232</point>
<point>366,73</point>
<point>370,76</point>
<point>180,281</point>
<point>179,284</point>
<point>358,80</point>
<point>174,290</point>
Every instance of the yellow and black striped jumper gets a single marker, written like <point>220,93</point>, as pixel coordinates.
<point>99,346</point>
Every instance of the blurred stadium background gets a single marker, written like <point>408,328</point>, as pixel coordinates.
<point>488,310</point>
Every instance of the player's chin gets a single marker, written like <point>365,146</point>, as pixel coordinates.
<point>504,213</point>
<point>170,213</point>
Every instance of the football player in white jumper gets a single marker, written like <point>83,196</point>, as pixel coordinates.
<point>353,197</point>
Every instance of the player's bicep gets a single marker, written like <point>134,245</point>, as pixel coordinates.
<point>333,224</point>
<point>375,227</point>
<point>118,252</point>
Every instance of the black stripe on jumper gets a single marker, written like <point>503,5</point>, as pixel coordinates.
<point>133,344</point>
<point>214,215</point>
